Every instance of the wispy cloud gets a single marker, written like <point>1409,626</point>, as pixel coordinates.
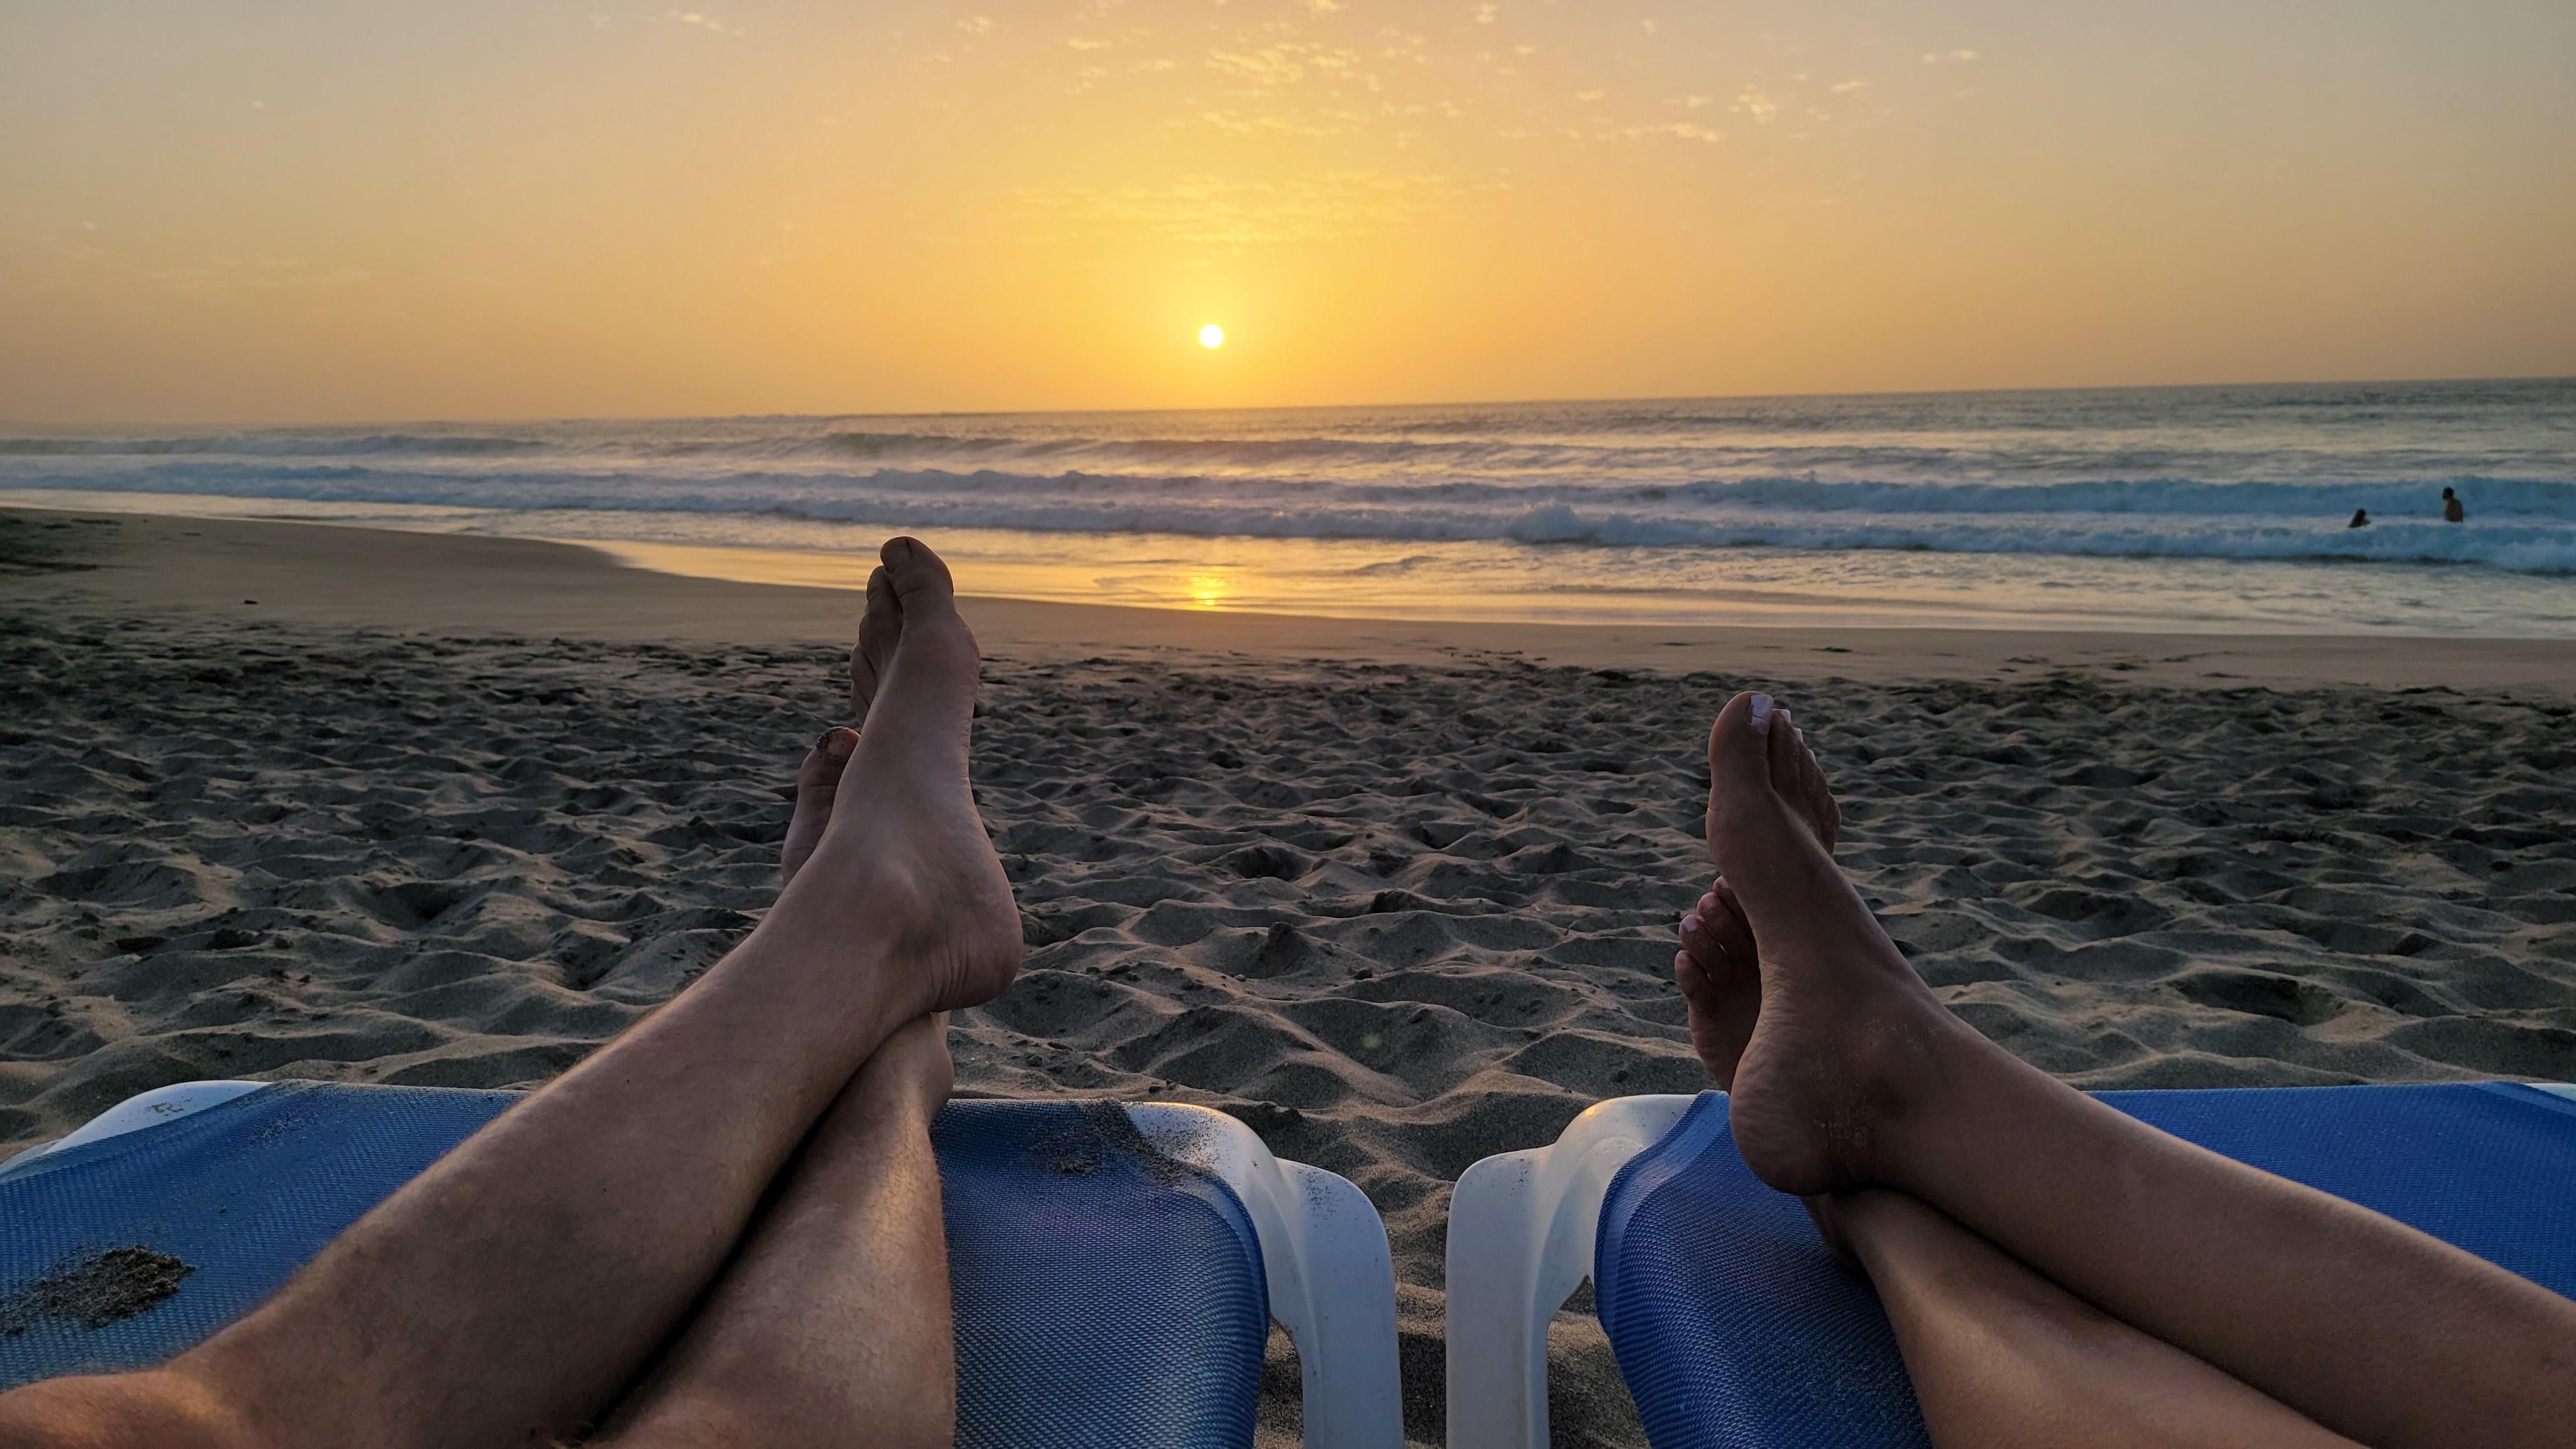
<point>1683,130</point>
<point>1273,124</point>
<point>1206,210</point>
<point>1283,64</point>
<point>706,22</point>
<point>1844,88</point>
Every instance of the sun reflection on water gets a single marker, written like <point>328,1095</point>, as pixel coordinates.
<point>1206,591</point>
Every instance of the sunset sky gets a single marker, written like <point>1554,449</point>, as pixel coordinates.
<point>348,211</point>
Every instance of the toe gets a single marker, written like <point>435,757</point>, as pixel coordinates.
<point>880,630</point>
<point>920,577</point>
<point>1786,749</point>
<point>1722,916</point>
<point>1692,978</point>
<point>1739,743</point>
<point>818,784</point>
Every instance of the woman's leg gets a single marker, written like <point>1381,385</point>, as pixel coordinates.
<point>1854,1075</point>
<point>2002,1358</point>
<point>835,1312</point>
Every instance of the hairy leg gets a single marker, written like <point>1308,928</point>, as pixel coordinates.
<point>1854,1075</point>
<point>835,1312</point>
<point>510,1292</point>
<point>2002,1358</point>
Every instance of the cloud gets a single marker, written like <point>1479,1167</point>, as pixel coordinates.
<point>1684,130</point>
<point>1323,7</point>
<point>1210,211</point>
<point>706,22</point>
<point>1587,97</point>
<point>1933,57</point>
<point>1084,42</point>
<point>1844,88</point>
<point>976,25</point>
<point>1273,124</point>
<point>1485,14</point>
<point>1756,103</point>
<point>1283,64</point>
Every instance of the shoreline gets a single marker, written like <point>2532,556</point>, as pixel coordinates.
<point>332,575</point>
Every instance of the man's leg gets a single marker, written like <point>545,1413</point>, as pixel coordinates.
<point>2002,1358</point>
<point>514,1289</point>
<point>1854,1075</point>
<point>835,1312</point>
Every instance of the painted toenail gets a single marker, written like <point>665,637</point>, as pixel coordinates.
<point>1762,712</point>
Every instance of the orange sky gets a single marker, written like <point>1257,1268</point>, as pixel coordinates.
<point>344,211</point>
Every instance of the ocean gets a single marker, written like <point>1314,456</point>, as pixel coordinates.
<point>2207,508</point>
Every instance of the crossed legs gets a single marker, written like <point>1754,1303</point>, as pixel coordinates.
<point>2055,1270</point>
<point>516,1290</point>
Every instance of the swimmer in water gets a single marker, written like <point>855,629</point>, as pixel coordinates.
<point>2360,518</point>
<point>2452,512</point>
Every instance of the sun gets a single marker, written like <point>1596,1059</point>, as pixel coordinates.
<point>1211,336</point>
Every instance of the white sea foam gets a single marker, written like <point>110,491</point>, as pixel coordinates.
<point>2209,476</point>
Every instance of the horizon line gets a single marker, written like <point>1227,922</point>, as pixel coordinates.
<point>8,424</point>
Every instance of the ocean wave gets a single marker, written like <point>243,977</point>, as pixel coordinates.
<point>273,445</point>
<point>2520,525</point>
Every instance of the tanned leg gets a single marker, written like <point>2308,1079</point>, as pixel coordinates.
<point>1853,1075</point>
<point>836,1312</point>
<point>2002,1358</point>
<point>510,1292</point>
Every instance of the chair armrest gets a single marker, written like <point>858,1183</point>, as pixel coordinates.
<point>1324,1255</point>
<point>1521,1230</point>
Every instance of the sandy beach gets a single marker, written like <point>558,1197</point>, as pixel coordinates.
<point>302,802</point>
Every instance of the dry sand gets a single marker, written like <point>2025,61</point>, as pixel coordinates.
<point>1394,900</point>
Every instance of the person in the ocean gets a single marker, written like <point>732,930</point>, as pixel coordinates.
<point>2452,512</point>
<point>2360,518</point>
<point>723,1228</point>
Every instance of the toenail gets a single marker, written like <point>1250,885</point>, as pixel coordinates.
<point>1762,712</point>
<point>1690,923</point>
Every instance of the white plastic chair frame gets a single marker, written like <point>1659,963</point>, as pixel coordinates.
<point>1323,1251</point>
<point>1521,1231</point>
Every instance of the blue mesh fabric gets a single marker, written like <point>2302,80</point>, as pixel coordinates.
<point>1735,1327</point>
<point>1105,1294</point>
<point>243,1192</point>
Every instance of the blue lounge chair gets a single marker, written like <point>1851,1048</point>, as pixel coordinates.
<point>1735,1327</point>
<point>1115,1269</point>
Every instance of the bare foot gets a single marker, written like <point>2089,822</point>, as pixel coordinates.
<point>902,859</point>
<point>818,784</point>
<point>818,779</point>
<point>1719,967</point>
<point>1844,1027</point>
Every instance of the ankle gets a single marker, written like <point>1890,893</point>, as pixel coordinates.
<point>1939,1081</point>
